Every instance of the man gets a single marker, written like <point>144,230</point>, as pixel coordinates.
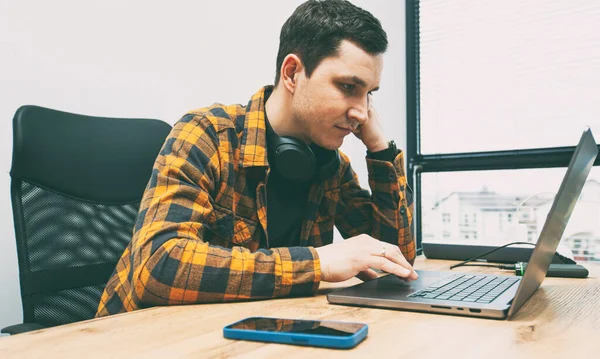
<point>227,217</point>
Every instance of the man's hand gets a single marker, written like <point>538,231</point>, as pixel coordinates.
<point>371,133</point>
<point>357,255</point>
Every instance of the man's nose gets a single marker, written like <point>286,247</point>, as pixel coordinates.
<point>359,113</point>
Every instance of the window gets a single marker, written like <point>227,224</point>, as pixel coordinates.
<point>498,93</point>
<point>493,73</point>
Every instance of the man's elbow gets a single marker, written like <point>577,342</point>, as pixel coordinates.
<point>155,279</point>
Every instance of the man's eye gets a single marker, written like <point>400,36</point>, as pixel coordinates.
<point>348,88</point>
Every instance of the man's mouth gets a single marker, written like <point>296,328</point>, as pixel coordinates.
<point>345,130</point>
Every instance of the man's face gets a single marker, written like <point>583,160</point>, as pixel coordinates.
<point>334,100</point>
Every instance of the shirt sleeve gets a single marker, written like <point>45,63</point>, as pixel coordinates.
<point>385,213</point>
<point>171,261</point>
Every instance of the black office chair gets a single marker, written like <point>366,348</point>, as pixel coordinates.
<point>76,186</point>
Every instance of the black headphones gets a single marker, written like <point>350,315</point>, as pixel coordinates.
<point>294,160</point>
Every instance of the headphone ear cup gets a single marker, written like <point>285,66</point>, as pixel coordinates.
<point>293,159</point>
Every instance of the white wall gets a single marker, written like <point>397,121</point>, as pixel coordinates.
<point>151,59</point>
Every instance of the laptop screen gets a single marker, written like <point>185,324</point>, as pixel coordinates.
<point>556,221</point>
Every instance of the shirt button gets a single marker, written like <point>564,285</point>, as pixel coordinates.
<point>392,176</point>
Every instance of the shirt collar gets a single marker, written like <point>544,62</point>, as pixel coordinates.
<point>253,151</point>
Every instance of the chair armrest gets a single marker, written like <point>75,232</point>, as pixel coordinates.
<point>21,328</point>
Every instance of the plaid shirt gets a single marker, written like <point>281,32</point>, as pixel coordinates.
<point>203,214</point>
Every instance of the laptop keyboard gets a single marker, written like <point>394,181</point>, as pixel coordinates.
<point>467,288</point>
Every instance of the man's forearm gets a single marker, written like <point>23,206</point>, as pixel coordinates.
<point>185,271</point>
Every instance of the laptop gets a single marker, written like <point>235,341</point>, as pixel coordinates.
<point>473,294</point>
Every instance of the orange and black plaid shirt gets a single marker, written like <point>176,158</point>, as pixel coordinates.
<point>203,214</point>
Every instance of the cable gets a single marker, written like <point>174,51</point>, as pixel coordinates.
<point>485,254</point>
<point>554,270</point>
<point>564,259</point>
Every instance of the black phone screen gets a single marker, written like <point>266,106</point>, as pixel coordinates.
<point>323,327</point>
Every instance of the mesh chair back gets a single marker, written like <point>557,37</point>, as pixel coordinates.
<point>76,186</point>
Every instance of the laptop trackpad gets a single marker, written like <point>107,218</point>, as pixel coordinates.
<point>391,286</point>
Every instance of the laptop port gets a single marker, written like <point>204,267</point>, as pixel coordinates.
<point>474,310</point>
<point>440,307</point>
<point>459,308</point>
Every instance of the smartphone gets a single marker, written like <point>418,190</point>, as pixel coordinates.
<point>319,333</point>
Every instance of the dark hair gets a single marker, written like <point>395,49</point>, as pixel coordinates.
<point>317,27</point>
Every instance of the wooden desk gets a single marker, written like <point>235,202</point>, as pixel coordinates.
<point>561,320</point>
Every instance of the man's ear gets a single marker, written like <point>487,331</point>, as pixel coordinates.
<point>290,72</point>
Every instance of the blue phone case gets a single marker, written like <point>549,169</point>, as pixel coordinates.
<point>325,341</point>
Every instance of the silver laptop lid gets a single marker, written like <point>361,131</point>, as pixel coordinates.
<point>556,222</point>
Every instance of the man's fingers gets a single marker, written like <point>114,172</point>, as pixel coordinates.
<point>367,275</point>
<point>395,255</point>
<point>390,267</point>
